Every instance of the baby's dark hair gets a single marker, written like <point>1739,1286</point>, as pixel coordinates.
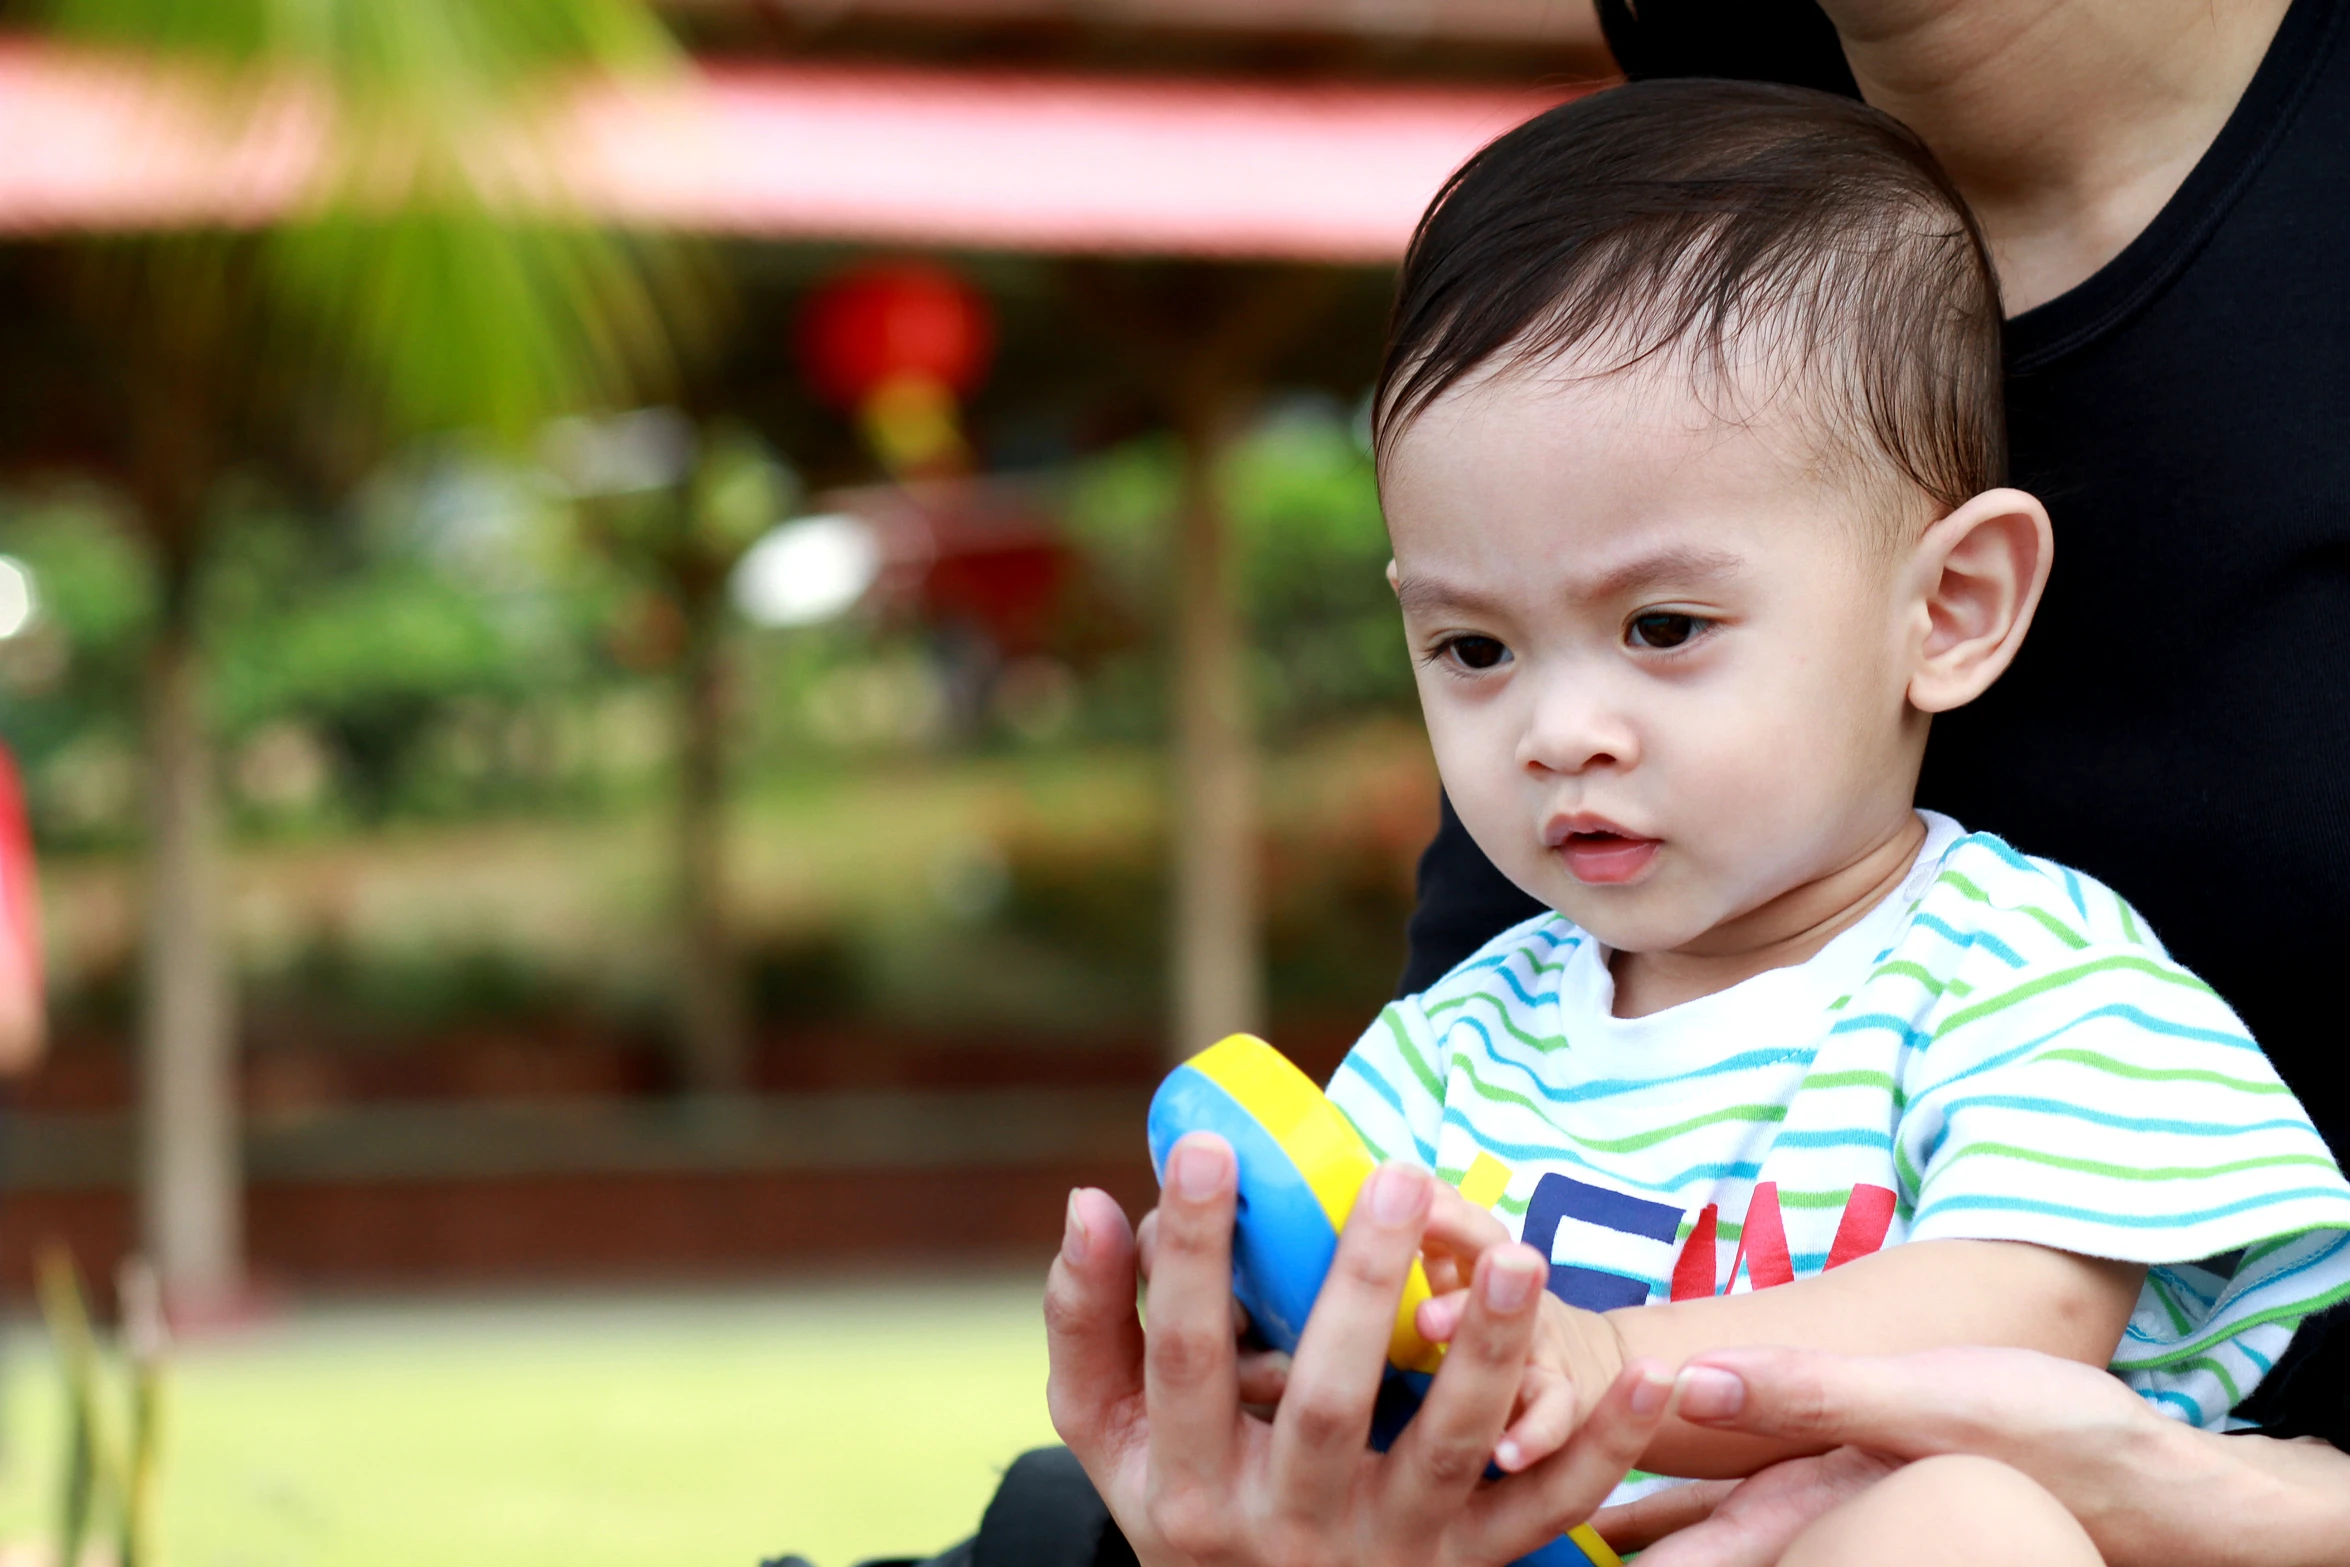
<point>1727,224</point>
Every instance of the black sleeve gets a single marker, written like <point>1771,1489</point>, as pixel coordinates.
<point>1789,41</point>
<point>1463,903</point>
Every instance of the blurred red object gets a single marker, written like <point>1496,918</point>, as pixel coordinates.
<point>895,321</point>
<point>23,1028</point>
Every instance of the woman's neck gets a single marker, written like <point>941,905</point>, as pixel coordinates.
<point>2067,123</point>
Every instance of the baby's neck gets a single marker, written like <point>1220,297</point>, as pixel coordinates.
<point>1790,929</point>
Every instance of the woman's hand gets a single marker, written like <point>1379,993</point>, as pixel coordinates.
<point>2150,1492</point>
<point>1155,1415</point>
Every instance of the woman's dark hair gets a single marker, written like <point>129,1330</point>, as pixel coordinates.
<point>1728,224</point>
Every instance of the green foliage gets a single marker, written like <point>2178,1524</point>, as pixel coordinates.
<point>422,652</point>
<point>1304,508</point>
<point>103,1478</point>
<point>379,49</point>
<point>434,263</point>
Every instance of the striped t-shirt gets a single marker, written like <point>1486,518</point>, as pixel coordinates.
<point>2000,1050</point>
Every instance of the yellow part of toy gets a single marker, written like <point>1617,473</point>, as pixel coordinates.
<point>1588,1541</point>
<point>1485,1180</point>
<point>1327,1151</point>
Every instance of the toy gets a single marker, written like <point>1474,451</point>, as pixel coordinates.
<point>1301,1164</point>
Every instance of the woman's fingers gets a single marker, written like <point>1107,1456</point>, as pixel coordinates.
<point>1525,1511</point>
<point>1325,1417</point>
<point>1444,1450</point>
<point>1760,1517</point>
<point>1188,1359</point>
<point>1935,1401</point>
<point>1095,1344</point>
<point>1635,1526</point>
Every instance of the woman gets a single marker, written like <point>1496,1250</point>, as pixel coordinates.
<point>2162,186</point>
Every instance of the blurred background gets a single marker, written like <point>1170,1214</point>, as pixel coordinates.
<point>657,657</point>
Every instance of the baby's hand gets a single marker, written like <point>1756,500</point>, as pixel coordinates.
<point>1572,1348</point>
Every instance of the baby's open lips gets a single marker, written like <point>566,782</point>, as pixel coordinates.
<point>1596,851</point>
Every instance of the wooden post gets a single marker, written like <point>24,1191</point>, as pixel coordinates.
<point>1205,335</point>
<point>190,1175</point>
<point>1218,968</point>
<point>713,1015</point>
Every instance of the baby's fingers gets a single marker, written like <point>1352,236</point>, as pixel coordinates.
<point>1439,1317</point>
<point>1544,1419</point>
<point>1459,1226</point>
<point>1264,1377</point>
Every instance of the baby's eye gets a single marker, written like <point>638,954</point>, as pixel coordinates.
<point>1473,652</point>
<point>1662,629</point>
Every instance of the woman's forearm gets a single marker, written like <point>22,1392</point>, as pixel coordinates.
<point>1923,1296</point>
<point>2293,1496</point>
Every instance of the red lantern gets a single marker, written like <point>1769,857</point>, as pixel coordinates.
<point>896,321</point>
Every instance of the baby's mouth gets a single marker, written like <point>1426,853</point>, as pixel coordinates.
<point>1603,856</point>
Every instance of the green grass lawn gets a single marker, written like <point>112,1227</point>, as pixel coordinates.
<point>839,1422</point>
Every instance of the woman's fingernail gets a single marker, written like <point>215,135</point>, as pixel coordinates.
<point>1398,1193</point>
<point>1710,1393</point>
<point>1196,1168</point>
<point>1073,1235</point>
<point>1511,1282</point>
<point>1651,1391</point>
<point>1509,1455</point>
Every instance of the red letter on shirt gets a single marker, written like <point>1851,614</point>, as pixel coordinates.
<point>1868,1214</point>
<point>1693,1270</point>
<point>1762,1241</point>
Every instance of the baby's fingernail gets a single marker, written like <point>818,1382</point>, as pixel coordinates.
<point>1073,1236</point>
<point>1196,1168</point>
<point>1710,1393</point>
<point>1511,1282</point>
<point>1651,1391</point>
<point>1398,1193</point>
<point>1509,1455</point>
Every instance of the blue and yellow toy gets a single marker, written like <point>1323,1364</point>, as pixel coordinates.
<point>1301,1164</point>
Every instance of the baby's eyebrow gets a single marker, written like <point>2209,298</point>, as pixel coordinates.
<point>1675,567</point>
<point>1679,566</point>
<point>1426,595</point>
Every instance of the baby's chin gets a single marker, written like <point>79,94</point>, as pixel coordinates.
<point>1642,918</point>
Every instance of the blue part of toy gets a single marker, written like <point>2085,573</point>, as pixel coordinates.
<point>1282,1242</point>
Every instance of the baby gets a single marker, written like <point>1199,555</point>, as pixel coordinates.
<point>1690,442</point>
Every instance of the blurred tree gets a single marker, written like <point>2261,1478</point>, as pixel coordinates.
<point>430,276</point>
<point>678,519</point>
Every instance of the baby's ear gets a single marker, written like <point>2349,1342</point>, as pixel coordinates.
<point>1979,573</point>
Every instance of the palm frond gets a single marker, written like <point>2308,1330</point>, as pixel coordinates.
<point>436,261</point>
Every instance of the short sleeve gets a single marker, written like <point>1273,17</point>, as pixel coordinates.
<point>1391,1086</point>
<point>2112,1105</point>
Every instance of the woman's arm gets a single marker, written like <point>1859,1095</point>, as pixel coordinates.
<point>1920,1296</point>
<point>2150,1491</point>
<point>1923,1295</point>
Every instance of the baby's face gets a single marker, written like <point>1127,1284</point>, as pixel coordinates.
<point>1663,670</point>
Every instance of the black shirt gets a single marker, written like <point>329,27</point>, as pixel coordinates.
<point>2178,722</point>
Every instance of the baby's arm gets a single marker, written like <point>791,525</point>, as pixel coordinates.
<point>1924,1295</point>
